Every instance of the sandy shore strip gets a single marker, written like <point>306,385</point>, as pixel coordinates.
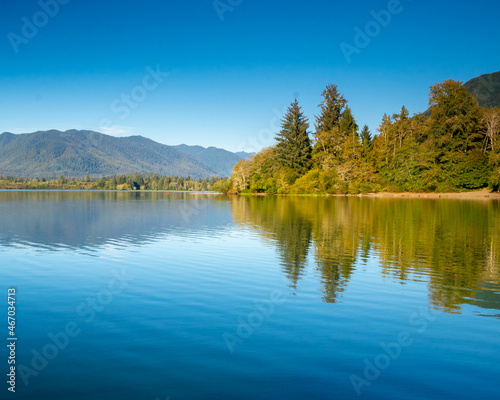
<point>472,195</point>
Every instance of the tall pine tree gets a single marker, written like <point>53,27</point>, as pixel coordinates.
<point>347,124</point>
<point>351,145</point>
<point>332,107</point>
<point>293,149</point>
<point>366,139</point>
<point>328,141</point>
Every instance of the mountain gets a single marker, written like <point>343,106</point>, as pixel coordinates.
<point>219,159</point>
<point>486,88</point>
<point>75,154</point>
<point>244,155</point>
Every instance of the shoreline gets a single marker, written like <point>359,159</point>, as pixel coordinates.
<point>484,194</point>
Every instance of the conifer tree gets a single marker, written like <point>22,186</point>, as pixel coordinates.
<point>348,129</point>
<point>293,149</point>
<point>332,107</point>
<point>347,124</point>
<point>327,126</point>
<point>366,139</point>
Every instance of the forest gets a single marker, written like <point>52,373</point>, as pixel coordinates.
<point>122,182</point>
<point>451,147</point>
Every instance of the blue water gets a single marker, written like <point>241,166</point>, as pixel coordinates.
<point>204,296</point>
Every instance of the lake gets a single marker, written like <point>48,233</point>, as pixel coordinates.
<point>160,296</point>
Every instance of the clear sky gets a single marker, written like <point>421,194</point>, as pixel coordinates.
<point>233,65</point>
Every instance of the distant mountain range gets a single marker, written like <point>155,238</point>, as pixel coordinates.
<point>486,88</point>
<point>49,154</point>
<point>219,159</point>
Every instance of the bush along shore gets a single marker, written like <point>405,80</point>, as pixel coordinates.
<point>452,147</point>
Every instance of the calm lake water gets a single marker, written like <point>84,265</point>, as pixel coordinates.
<point>203,296</point>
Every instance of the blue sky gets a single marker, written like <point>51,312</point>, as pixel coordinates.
<point>221,73</point>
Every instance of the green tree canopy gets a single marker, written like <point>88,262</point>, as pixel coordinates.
<point>455,115</point>
<point>455,146</point>
<point>457,135</point>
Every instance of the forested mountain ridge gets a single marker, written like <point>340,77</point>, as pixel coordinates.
<point>219,159</point>
<point>75,154</point>
<point>486,88</point>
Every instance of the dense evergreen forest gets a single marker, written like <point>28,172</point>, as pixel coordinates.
<point>454,146</point>
<point>135,182</point>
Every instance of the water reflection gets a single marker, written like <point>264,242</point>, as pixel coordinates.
<point>453,245</point>
<point>89,220</point>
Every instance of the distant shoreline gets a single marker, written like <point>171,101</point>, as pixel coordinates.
<point>110,191</point>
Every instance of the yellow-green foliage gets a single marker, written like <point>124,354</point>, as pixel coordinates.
<point>316,181</point>
<point>454,147</point>
<point>257,174</point>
